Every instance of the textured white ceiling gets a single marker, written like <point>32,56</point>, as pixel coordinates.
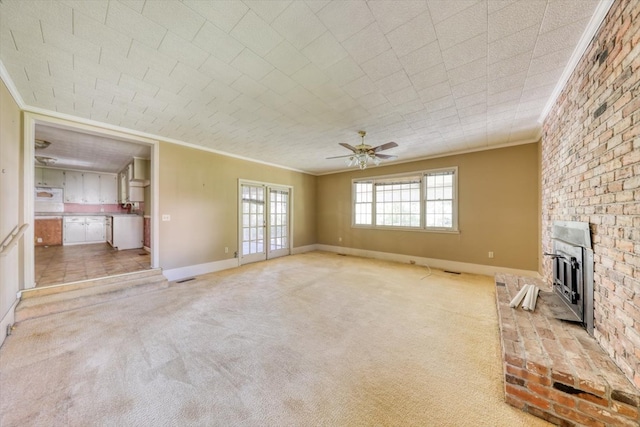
<point>286,81</point>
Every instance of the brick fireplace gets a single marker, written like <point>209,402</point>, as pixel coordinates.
<point>591,173</point>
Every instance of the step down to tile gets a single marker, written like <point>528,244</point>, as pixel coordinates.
<point>40,302</point>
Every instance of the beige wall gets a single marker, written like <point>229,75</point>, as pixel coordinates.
<point>10,202</point>
<point>199,190</point>
<point>498,211</point>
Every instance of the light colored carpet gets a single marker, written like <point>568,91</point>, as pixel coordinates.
<point>306,340</point>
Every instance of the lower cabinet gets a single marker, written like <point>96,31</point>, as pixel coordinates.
<point>84,229</point>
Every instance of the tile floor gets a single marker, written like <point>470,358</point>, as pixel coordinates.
<point>64,264</point>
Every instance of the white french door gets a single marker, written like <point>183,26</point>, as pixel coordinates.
<point>264,222</point>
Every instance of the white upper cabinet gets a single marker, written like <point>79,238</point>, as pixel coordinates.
<point>91,188</point>
<point>109,189</point>
<point>45,177</point>
<point>73,187</point>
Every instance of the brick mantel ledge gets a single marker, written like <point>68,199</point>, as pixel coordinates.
<point>555,370</point>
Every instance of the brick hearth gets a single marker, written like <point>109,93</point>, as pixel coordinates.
<point>555,370</point>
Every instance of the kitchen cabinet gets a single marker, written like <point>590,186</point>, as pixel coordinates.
<point>138,170</point>
<point>74,230</point>
<point>108,189</point>
<point>129,191</point>
<point>45,177</point>
<point>84,229</point>
<point>90,188</point>
<point>95,229</point>
<point>48,232</point>
<point>73,187</point>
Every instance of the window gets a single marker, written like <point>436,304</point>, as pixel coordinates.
<point>422,201</point>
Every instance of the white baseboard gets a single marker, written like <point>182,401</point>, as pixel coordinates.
<point>442,264</point>
<point>199,269</point>
<point>303,249</point>
<point>8,319</point>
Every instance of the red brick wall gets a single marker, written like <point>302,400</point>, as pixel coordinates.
<point>591,172</point>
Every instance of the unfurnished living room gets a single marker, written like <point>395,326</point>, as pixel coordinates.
<point>320,212</point>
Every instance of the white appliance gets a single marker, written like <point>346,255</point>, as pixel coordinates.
<point>127,232</point>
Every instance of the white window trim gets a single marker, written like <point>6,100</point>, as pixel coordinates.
<point>423,228</point>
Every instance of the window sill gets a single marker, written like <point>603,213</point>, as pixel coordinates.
<point>419,230</point>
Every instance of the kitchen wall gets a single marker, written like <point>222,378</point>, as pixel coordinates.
<point>10,204</point>
<point>498,211</point>
<point>199,190</point>
<point>591,173</point>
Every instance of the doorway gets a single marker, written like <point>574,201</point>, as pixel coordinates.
<point>265,222</point>
<point>67,142</point>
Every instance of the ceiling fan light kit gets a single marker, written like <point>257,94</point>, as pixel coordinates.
<point>363,154</point>
<point>46,161</point>
<point>41,144</point>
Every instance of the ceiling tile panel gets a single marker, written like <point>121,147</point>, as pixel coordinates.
<point>219,70</point>
<point>429,77</point>
<point>391,15</point>
<point>278,82</point>
<point>560,13</point>
<point>324,51</point>
<point>515,17</point>
<point>174,16</point>
<point>69,43</point>
<point>345,18</point>
<point>256,34</point>
<point>251,64</point>
<point>267,10</point>
<point>366,44</point>
<point>130,23</point>
<point>465,52</point>
<point>299,25</point>
<point>344,71</point>
<point>96,32</point>
<point>360,87</point>
<point>512,45</point>
<point>462,26</point>
<point>393,83</point>
<point>218,43</point>
<point>286,58</point>
<point>382,65</point>
<point>224,14</point>
<point>116,62</point>
<point>185,52</point>
<point>441,10</point>
<point>421,59</point>
<point>249,87</point>
<point>413,35</point>
<point>561,38</point>
<point>152,57</point>
<point>310,76</point>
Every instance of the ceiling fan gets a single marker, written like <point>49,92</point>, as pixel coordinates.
<point>364,153</point>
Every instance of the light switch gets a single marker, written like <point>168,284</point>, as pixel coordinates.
<point>166,217</point>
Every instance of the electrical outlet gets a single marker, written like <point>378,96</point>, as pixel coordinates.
<point>490,254</point>
<point>226,250</point>
<point>39,239</point>
<point>166,217</point>
<point>339,239</point>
